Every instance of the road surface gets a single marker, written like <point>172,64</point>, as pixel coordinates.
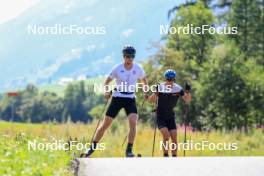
<point>189,166</point>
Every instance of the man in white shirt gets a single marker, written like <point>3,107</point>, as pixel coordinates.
<point>126,75</point>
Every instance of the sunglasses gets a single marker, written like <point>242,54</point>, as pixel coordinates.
<point>129,56</point>
<point>170,79</point>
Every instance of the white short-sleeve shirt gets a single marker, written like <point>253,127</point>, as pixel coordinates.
<point>126,80</point>
<point>174,89</point>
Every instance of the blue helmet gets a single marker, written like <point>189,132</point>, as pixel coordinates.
<point>129,50</point>
<point>170,74</point>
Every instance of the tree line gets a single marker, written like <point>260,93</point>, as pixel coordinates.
<point>32,105</point>
<point>225,71</point>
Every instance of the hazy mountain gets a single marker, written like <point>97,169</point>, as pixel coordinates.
<point>27,57</point>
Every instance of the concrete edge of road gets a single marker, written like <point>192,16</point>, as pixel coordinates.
<point>201,166</point>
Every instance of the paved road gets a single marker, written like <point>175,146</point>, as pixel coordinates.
<point>189,166</point>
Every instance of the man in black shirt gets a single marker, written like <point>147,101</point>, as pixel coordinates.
<point>166,98</point>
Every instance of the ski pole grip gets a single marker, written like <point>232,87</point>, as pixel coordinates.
<point>157,89</point>
<point>111,91</point>
<point>187,87</point>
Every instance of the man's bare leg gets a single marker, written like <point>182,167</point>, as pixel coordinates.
<point>166,136</point>
<point>98,135</point>
<point>173,134</point>
<point>132,120</point>
<point>102,128</point>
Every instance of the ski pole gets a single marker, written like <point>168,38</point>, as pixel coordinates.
<point>185,121</point>
<point>155,121</point>
<point>127,134</point>
<point>187,90</point>
<point>100,118</point>
<point>154,138</point>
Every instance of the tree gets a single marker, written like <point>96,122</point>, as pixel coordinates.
<point>248,17</point>
<point>96,112</point>
<point>78,102</point>
<point>194,46</point>
<point>253,76</point>
<point>225,93</point>
<point>54,105</point>
<point>207,3</point>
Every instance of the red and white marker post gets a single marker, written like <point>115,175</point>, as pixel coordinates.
<point>13,95</point>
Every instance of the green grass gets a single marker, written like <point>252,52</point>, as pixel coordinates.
<point>15,158</point>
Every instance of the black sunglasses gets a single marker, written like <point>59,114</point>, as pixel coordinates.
<point>170,79</point>
<point>130,56</point>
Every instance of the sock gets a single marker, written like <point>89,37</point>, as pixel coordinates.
<point>129,147</point>
<point>166,155</point>
<point>93,145</point>
<point>91,149</point>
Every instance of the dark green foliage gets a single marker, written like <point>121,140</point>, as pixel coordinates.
<point>78,102</point>
<point>248,17</point>
<point>226,71</point>
<point>194,46</point>
<point>34,106</point>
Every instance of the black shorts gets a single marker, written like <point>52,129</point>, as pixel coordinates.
<point>166,123</point>
<point>117,103</point>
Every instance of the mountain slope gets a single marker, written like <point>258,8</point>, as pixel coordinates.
<point>39,59</point>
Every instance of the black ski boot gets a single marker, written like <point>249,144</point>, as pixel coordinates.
<point>90,151</point>
<point>129,152</point>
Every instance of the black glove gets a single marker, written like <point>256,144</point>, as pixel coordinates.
<point>187,87</point>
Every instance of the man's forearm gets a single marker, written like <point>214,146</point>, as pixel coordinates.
<point>106,84</point>
<point>145,85</point>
